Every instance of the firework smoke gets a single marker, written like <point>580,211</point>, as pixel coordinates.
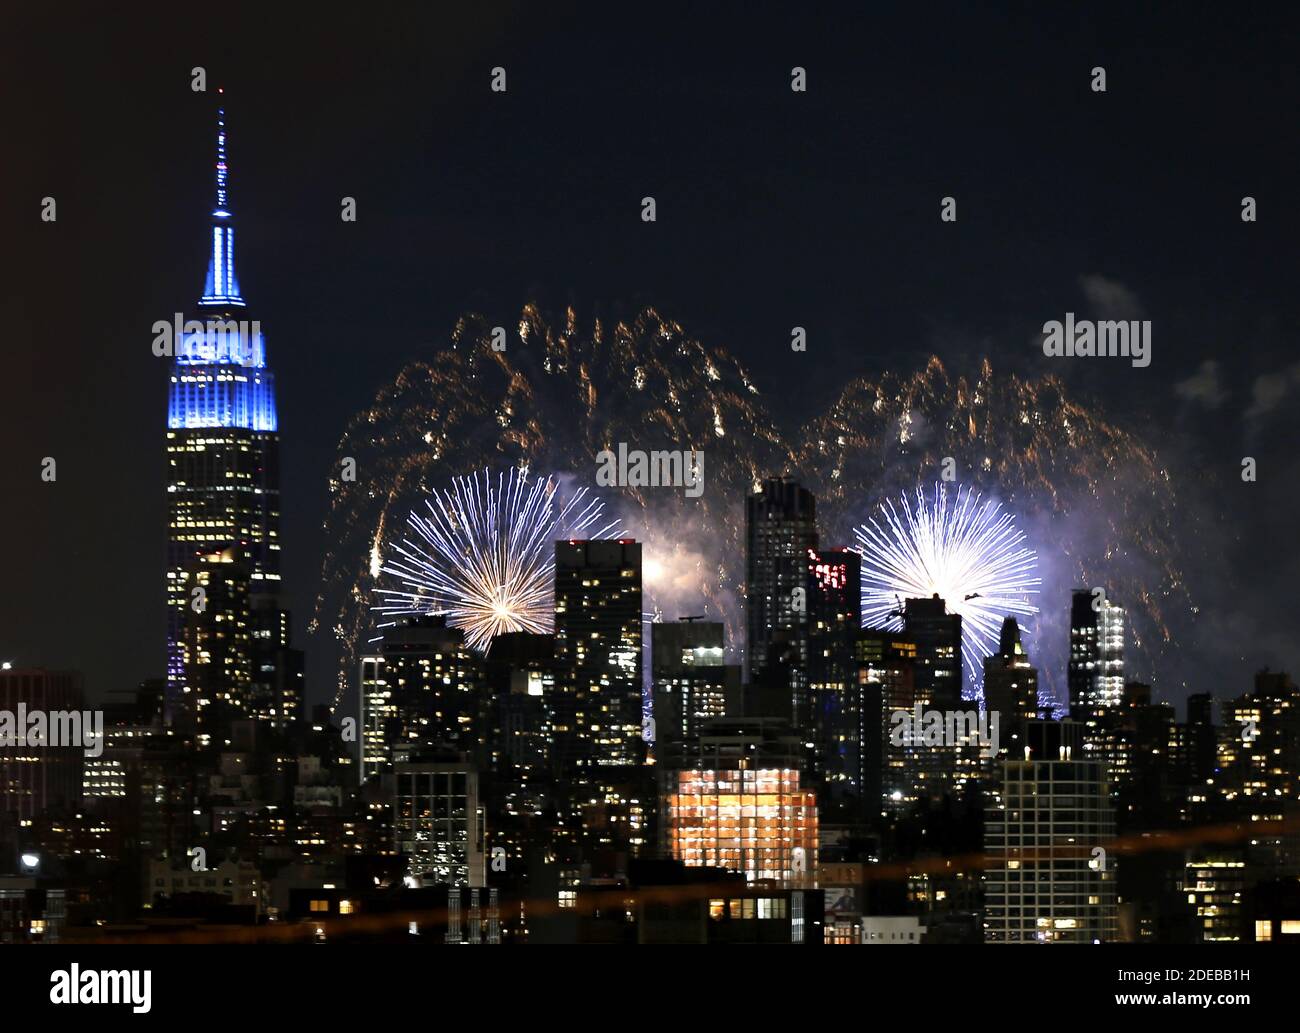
<point>1092,500</point>
<point>561,393</point>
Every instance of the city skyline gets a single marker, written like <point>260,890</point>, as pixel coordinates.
<point>1202,421</point>
<point>638,551</point>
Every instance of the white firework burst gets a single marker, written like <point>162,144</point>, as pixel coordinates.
<point>484,554</point>
<point>967,551</point>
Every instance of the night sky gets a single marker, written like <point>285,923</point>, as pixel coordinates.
<point>775,209</point>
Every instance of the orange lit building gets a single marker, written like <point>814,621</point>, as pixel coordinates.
<point>757,821</point>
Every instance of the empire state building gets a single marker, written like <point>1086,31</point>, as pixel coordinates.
<point>228,655</point>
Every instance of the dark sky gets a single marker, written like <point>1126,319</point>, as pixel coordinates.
<point>775,209</point>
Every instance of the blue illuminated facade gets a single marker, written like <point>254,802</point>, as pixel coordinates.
<point>219,374</point>
<point>222,396</point>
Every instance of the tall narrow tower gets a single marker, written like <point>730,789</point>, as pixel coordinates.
<point>223,503</point>
<point>780,528</point>
<point>1096,673</point>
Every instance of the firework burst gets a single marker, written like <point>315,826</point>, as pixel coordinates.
<point>565,389</point>
<point>1098,499</point>
<point>483,554</point>
<point>965,550</point>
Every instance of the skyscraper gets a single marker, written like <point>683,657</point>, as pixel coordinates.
<point>1096,674</point>
<point>836,712</point>
<point>518,781</point>
<point>606,802</point>
<point>223,485</point>
<point>1010,680</point>
<point>937,634</point>
<point>891,772</point>
<point>690,681</point>
<point>1048,877</point>
<point>424,687</point>
<point>739,804</point>
<point>598,651</point>
<point>1259,766</point>
<point>780,528</point>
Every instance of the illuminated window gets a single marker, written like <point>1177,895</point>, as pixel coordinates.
<point>1290,927</point>
<point>1264,931</point>
<point>345,907</point>
<point>320,905</point>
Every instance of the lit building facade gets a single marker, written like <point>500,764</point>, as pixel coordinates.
<point>424,687</point>
<point>606,795</point>
<point>1043,881</point>
<point>439,822</point>
<point>1010,680</point>
<point>741,804</point>
<point>758,822</point>
<point>223,481</point>
<point>1258,760</point>
<point>1215,884</point>
<point>690,681</point>
<point>1096,671</point>
<point>37,777</point>
<point>216,646</point>
<point>937,634</point>
<point>893,774</point>
<point>780,528</point>
<point>598,654</point>
<point>836,718</point>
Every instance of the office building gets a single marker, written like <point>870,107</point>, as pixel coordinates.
<point>40,766</point>
<point>439,820</point>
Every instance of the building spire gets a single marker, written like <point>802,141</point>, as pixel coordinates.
<point>221,211</point>
<point>222,286</point>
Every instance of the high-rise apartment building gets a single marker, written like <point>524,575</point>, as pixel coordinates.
<point>1048,875</point>
<point>780,528</point>
<point>423,688</point>
<point>598,654</point>
<point>605,796</point>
